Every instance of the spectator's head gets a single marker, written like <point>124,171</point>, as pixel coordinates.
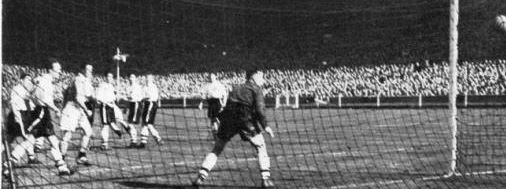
<point>212,77</point>
<point>133,78</point>
<point>87,70</point>
<point>150,79</point>
<point>109,77</point>
<point>55,68</point>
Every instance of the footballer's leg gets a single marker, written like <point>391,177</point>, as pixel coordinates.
<point>64,144</point>
<point>105,137</point>
<point>115,114</point>
<point>258,142</point>
<point>144,136</point>
<point>133,119</point>
<point>133,134</point>
<point>149,129</point>
<point>150,120</point>
<point>155,133</point>
<point>24,147</point>
<point>86,127</point>
<point>209,161</point>
<point>39,143</point>
<point>31,150</point>
<point>68,124</point>
<point>58,157</point>
<point>106,125</point>
<point>144,128</point>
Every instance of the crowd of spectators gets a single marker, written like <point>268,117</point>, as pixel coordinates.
<point>426,79</point>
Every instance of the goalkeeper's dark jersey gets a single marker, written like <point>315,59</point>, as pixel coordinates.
<point>249,95</point>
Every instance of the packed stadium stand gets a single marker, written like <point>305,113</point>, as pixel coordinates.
<point>427,79</point>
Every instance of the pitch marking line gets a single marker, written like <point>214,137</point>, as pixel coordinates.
<point>427,178</point>
<point>406,124</point>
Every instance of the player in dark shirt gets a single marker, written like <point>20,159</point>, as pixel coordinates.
<point>244,114</point>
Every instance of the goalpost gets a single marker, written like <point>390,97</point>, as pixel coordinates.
<point>453,57</point>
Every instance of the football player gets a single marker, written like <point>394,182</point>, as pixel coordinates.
<point>244,114</point>
<point>20,118</point>
<point>109,112</point>
<point>42,125</point>
<point>151,101</point>
<point>135,96</point>
<point>77,112</point>
<point>216,95</point>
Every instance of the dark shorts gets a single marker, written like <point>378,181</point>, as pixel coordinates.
<point>13,129</point>
<point>149,113</point>
<point>107,114</point>
<point>45,127</point>
<point>134,112</point>
<point>90,105</point>
<point>214,106</point>
<point>237,120</point>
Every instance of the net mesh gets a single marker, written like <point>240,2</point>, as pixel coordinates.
<point>357,143</point>
<point>313,148</point>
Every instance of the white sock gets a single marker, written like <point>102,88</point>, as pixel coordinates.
<point>65,142</point>
<point>105,134</point>
<point>208,164</point>
<point>55,150</point>
<point>133,133</point>
<point>84,143</point>
<point>263,158</point>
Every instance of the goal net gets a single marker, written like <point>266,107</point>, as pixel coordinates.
<point>357,93</point>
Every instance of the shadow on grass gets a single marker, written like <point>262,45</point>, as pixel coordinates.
<point>144,185</point>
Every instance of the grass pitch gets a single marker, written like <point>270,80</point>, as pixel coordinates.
<point>313,148</point>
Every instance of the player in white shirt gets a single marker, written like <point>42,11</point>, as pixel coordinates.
<point>151,101</point>
<point>39,142</point>
<point>20,118</point>
<point>42,126</point>
<point>135,96</point>
<point>76,114</point>
<point>110,113</point>
<point>216,95</point>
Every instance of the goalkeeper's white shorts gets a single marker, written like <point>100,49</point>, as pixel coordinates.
<point>73,117</point>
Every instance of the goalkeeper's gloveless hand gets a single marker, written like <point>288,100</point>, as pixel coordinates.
<point>269,131</point>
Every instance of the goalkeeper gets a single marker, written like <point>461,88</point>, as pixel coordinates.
<point>244,114</point>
